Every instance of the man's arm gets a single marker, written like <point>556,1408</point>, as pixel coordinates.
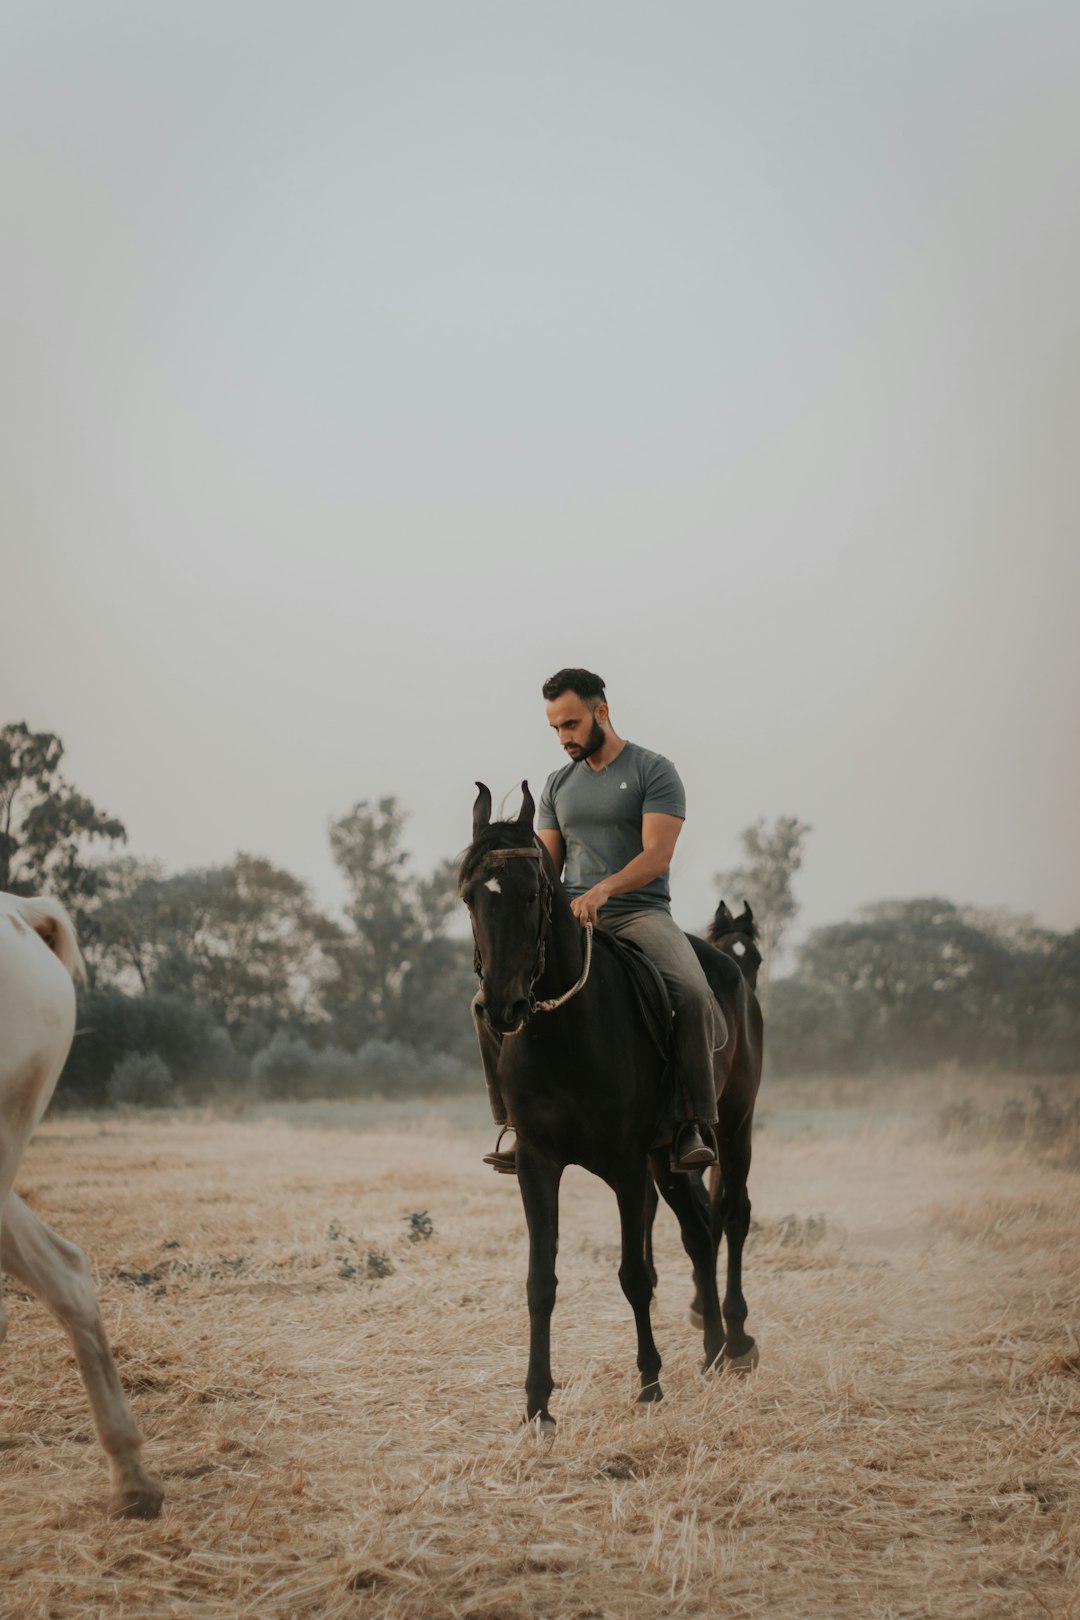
<point>555,844</point>
<point>659,835</point>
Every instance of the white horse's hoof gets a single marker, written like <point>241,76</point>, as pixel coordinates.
<point>139,1501</point>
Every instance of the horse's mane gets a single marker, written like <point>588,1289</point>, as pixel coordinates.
<point>497,835</point>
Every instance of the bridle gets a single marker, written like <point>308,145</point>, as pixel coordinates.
<point>532,853</point>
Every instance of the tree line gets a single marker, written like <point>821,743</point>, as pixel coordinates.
<point>908,983</point>
<point>231,977</point>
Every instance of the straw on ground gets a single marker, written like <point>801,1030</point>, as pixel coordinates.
<point>339,1436</point>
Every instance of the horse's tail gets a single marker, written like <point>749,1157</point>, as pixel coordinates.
<point>50,922</point>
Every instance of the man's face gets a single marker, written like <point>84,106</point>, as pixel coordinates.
<point>577,727</point>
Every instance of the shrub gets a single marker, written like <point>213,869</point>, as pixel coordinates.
<point>112,1025</point>
<point>141,1080</point>
<point>388,1067</point>
<point>448,1074</point>
<point>290,1067</point>
<point>395,1068</point>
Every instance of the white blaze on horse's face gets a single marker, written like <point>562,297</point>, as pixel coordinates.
<point>494,885</point>
<point>739,948</point>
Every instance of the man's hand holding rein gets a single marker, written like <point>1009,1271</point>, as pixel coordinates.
<point>586,906</point>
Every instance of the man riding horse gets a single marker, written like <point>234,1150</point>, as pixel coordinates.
<point>610,821</point>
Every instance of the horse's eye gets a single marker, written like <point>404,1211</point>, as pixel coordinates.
<point>531,899</point>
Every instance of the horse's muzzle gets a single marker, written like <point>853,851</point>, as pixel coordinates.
<point>505,1020</point>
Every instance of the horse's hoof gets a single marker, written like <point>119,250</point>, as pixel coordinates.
<point>650,1395</point>
<point>542,1424</point>
<point>137,1501</point>
<point>743,1365</point>
<point>696,1319</point>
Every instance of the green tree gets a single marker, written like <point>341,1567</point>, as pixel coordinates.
<point>919,981</point>
<point>130,925</point>
<point>260,954</point>
<point>399,976</point>
<point>45,825</point>
<point>245,940</point>
<point>772,857</point>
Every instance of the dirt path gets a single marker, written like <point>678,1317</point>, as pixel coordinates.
<point>339,1442</point>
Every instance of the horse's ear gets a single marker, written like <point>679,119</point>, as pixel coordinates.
<point>746,915</point>
<point>528,807</point>
<point>722,913</point>
<point>481,810</point>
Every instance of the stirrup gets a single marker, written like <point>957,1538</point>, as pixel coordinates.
<point>503,1162</point>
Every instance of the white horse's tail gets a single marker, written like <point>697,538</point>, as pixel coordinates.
<point>51,923</point>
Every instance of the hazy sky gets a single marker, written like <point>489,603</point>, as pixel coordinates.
<point>362,364</point>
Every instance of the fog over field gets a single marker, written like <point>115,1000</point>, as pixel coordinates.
<point>364,364</point>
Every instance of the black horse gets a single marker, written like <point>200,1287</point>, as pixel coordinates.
<point>583,1078</point>
<point>732,944</point>
<point>737,936</point>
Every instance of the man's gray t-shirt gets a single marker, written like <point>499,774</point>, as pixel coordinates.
<point>599,816</point>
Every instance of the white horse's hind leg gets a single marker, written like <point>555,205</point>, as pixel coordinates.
<point>57,1272</point>
<point>11,1149</point>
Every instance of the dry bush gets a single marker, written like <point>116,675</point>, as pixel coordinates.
<point>1046,1126</point>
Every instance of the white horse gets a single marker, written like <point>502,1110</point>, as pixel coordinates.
<point>39,964</point>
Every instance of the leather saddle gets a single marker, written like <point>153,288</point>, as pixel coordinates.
<point>650,991</point>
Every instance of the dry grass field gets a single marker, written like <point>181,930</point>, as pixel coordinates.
<point>332,1397</point>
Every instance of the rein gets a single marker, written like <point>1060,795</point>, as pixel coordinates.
<point>559,1001</point>
<point>533,854</point>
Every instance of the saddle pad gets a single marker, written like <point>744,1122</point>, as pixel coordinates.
<point>650,991</point>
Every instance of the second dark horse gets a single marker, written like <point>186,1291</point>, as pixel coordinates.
<point>584,1083</point>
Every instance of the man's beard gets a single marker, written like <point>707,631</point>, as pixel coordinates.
<point>592,744</point>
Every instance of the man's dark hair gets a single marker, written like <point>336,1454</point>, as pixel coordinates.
<point>582,682</point>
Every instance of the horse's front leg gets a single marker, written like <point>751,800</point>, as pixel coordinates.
<point>652,1200</point>
<point>707,1200</point>
<point>539,1180</point>
<point>635,1277</point>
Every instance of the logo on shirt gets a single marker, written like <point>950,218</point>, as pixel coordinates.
<point>622,784</point>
